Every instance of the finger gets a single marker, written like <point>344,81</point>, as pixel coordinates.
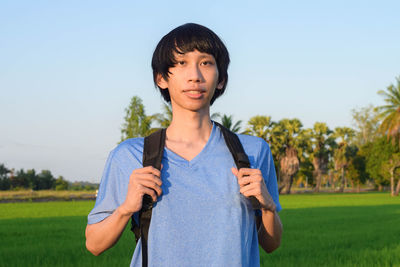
<point>267,202</point>
<point>148,169</point>
<point>248,171</point>
<point>153,170</point>
<point>150,192</point>
<point>258,184</point>
<point>255,178</point>
<point>152,185</point>
<point>234,171</point>
<point>149,177</point>
<point>252,189</point>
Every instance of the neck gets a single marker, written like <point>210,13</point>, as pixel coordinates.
<point>190,126</point>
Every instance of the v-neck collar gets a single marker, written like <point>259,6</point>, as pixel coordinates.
<point>174,157</point>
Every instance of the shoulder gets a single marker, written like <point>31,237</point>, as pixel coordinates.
<point>253,143</point>
<point>257,149</point>
<point>128,150</point>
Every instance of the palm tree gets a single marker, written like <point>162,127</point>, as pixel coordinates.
<point>344,152</point>
<point>227,122</point>
<point>260,126</point>
<point>290,140</point>
<point>215,116</point>
<point>322,144</point>
<point>391,167</point>
<point>390,126</point>
<point>390,113</point>
<point>263,127</point>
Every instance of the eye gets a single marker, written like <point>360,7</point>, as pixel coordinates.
<point>181,62</point>
<point>207,63</point>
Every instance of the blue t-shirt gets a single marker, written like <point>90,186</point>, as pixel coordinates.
<point>201,219</point>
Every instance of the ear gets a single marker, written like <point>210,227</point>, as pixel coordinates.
<point>161,82</point>
<point>220,85</point>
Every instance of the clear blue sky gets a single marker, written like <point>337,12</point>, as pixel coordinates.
<point>69,68</point>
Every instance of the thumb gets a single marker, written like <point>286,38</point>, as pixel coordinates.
<point>234,171</point>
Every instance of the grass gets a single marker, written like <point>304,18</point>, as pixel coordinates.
<point>31,195</point>
<point>338,230</point>
<point>52,234</point>
<point>319,230</point>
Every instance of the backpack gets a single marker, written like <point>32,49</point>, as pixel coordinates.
<point>152,155</point>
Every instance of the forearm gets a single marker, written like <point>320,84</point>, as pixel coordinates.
<point>103,235</point>
<point>269,230</point>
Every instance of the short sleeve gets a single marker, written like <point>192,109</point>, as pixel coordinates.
<point>267,167</point>
<point>109,196</point>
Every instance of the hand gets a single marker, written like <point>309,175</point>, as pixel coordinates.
<point>252,184</point>
<point>141,182</point>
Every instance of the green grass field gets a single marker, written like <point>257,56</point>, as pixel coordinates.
<point>319,230</point>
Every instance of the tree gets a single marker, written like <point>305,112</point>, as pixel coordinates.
<point>5,183</point>
<point>390,126</point>
<point>378,154</point>
<point>227,122</point>
<point>137,123</point>
<point>61,184</point>
<point>390,113</point>
<point>263,127</point>
<point>366,124</point>
<point>305,174</point>
<point>357,169</point>
<point>3,171</point>
<point>215,116</point>
<point>290,141</point>
<point>164,119</point>
<point>260,126</point>
<point>344,151</point>
<point>46,180</point>
<point>21,179</point>
<point>391,166</point>
<point>33,179</point>
<point>322,145</point>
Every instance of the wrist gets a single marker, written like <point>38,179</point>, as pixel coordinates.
<point>124,212</point>
<point>270,209</point>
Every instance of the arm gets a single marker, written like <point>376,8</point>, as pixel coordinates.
<point>269,230</point>
<point>269,225</point>
<point>104,234</point>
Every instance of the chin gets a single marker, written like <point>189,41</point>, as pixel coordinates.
<point>194,105</point>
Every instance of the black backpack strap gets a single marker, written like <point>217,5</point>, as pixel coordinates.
<point>239,156</point>
<point>152,155</point>
<point>153,149</point>
<point>235,147</point>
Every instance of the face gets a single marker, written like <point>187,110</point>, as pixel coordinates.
<point>192,81</point>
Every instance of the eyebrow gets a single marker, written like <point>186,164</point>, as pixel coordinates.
<point>203,55</point>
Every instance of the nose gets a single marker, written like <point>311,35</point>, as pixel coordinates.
<point>194,74</point>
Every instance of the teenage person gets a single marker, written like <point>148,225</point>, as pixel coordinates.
<point>202,214</point>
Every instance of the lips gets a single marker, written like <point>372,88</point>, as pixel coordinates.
<point>194,93</point>
<point>194,90</point>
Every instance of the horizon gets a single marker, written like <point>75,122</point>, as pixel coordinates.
<point>70,69</point>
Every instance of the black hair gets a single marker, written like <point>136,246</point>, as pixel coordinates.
<point>187,38</point>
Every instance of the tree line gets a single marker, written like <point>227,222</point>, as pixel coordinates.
<point>313,157</point>
<point>30,179</point>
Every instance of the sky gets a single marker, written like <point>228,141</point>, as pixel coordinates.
<point>68,69</point>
